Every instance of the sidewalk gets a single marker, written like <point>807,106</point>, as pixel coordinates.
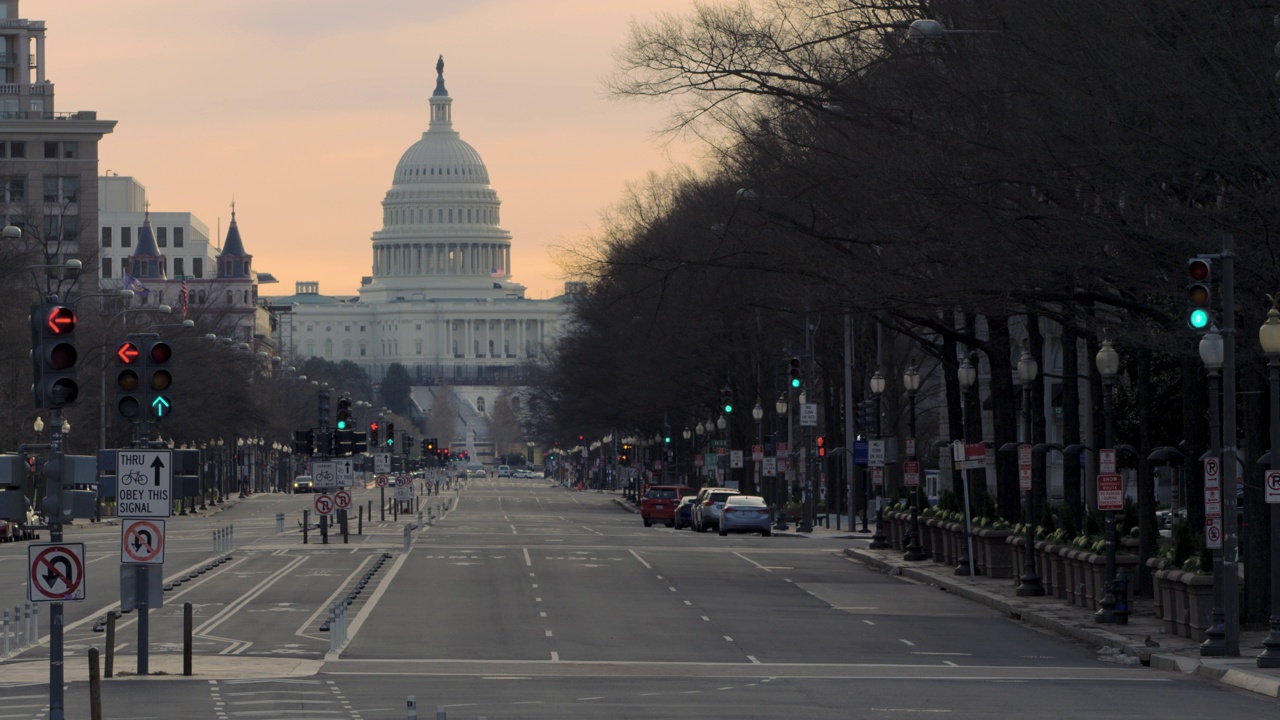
<point>1171,652</point>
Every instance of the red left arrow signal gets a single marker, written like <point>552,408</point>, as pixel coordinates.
<point>61,320</point>
<point>128,352</point>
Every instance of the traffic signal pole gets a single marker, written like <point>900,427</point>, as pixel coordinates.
<point>53,516</point>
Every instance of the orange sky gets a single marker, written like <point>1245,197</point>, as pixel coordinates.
<point>300,110</point>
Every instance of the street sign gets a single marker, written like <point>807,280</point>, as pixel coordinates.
<point>342,499</point>
<point>324,504</point>
<point>877,477</point>
<point>382,481</point>
<point>757,453</point>
<point>809,415</point>
<point>142,542</point>
<point>324,475</point>
<point>735,458</point>
<point>769,468</point>
<point>402,480</point>
<point>782,449</point>
<point>1110,491</point>
<point>1212,469</point>
<point>382,463</point>
<point>1273,487</point>
<point>875,453</point>
<point>55,572</point>
<point>1107,461</point>
<point>404,492</point>
<point>1024,467</point>
<point>144,483</point>
<point>911,447</point>
<point>911,473</point>
<point>345,472</point>
<point>1213,533</point>
<point>969,456</point>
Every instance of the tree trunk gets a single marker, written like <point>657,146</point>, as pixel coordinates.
<point>1195,425</point>
<point>1255,536</point>
<point>1004,416</point>
<point>1148,531</point>
<point>1039,476</point>
<point>1071,420</point>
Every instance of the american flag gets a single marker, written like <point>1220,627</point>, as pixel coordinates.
<point>497,272</point>
<point>183,297</point>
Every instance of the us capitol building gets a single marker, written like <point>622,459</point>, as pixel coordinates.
<point>441,300</point>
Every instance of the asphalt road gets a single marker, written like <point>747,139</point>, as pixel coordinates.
<point>529,601</point>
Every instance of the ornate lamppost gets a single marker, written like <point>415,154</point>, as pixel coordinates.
<point>1108,362</point>
<point>911,383</point>
<point>1269,337</point>
<point>780,480</point>
<point>967,374</point>
<point>1029,584</point>
<point>878,540</point>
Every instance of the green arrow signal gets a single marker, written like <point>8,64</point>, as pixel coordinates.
<point>160,406</point>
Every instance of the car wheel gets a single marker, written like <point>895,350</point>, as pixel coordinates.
<point>723,532</point>
<point>766,533</point>
<point>648,522</point>
<point>671,524</point>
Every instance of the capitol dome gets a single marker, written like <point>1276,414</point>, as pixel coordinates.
<point>440,233</point>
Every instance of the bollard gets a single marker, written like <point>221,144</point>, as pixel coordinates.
<point>306,520</point>
<point>279,523</point>
<point>406,538</point>
<point>231,538</point>
<point>1121,588</point>
<point>111,643</point>
<point>440,714</point>
<point>6,633</point>
<point>413,707</point>
<point>186,639</point>
<point>420,521</point>
<point>333,631</point>
<point>95,686</point>
<point>33,632</point>
<point>360,522</point>
<point>21,622</point>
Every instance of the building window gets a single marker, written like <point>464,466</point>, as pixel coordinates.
<point>50,189</point>
<point>124,266</point>
<point>197,267</point>
<point>178,270</point>
<point>200,296</point>
<point>418,327</point>
<point>51,151</point>
<point>106,240</point>
<point>479,404</point>
<point>328,348</point>
<point>162,237</point>
<point>61,189</point>
<point>230,298</point>
<point>70,150</point>
<point>61,227</point>
<point>126,237</point>
<point>311,349</point>
<point>346,349</point>
<point>417,347</point>
<point>16,188</point>
<point>106,268</point>
<point>178,237</point>
<point>363,349</point>
<point>17,149</point>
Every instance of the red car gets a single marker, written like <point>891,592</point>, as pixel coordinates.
<point>659,503</point>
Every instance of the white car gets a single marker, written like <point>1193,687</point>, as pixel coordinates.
<point>504,471</point>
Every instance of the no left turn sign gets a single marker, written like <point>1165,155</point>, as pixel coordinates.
<point>324,504</point>
<point>382,481</point>
<point>55,572</point>
<point>142,541</point>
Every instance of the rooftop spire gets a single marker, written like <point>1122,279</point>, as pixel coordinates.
<point>441,103</point>
<point>233,246</point>
<point>440,78</point>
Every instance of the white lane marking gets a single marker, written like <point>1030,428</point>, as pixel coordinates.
<point>513,530</point>
<point>528,562</point>
<point>704,617</point>
<point>537,599</point>
<point>555,656</point>
<point>671,588</point>
<point>686,602</point>
<point>535,586</point>
<point>753,562</point>
<point>597,697</point>
<point>584,527</point>
<point>646,565</point>
<point>920,652</point>
<point>754,661</point>
<point>868,622</point>
<point>658,576</point>
<point>728,639</point>
<point>542,614</point>
<point>906,642</point>
<point>948,662</point>
<point>548,633</point>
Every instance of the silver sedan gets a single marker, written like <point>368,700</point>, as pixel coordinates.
<point>745,513</point>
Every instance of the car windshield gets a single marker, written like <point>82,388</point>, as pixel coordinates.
<point>662,494</point>
<point>745,500</point>
<point>720,496</point>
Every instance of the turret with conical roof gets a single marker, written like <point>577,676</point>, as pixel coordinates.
<point>233,261</point>
<point>147,262</point>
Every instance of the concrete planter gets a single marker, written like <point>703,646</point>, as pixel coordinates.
<point>1052,568</point>
<point>1186,603</point>
<point>1077,578</point>
<point>995,554</point>
<point>932,528</point>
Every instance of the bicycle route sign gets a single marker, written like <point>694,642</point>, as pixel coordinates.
<point>144,483</point>
<point>324,475</point>
<point>56,572</point>
<point>142,542</point>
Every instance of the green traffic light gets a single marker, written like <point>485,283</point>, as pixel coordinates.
<point>342,424</point>
<point>1198,319</point>
<point>795,382</point>
<point>728,408</point>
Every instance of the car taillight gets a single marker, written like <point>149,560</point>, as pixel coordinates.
<point>729,509</point>
<point>708,503</point>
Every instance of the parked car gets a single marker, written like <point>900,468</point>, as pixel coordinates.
<point>521,473</point>
<point>745,513</point>
<point>707,508</point>
<point>504,471</point>
<point>303,484</point>
<point>476,470</point>
<point>684,512</point>
<point>659,503</point>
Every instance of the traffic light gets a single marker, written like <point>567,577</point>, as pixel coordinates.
<point>130,367</point>
<point>374,440</point>
<point>53,355</point>
<point>391,435</point>
<point>666,434</point>
<point>407,445</point>
<point>446,454</point>
<point>726,399</point>
<point>822,446</point>
<point>1199,315</point>
<point>795,372</point>
<point>343,442</point>
<point>424,447</point>
<point>431,444</point>
<point>158,380</point>
<point>303,442</point>
<point>344,413</point>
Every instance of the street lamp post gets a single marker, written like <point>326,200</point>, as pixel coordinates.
<point>911,382</point>
<point>721,424</point>
<point>780,481</point>
<point>687,463</point>
<point>1108,362</point>
<point>967,374</point>
<point>878,539</point>
<point>1211,354</point>
<point>1029,585</point>
<point>757,413</point>
<point>1269,337</point>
